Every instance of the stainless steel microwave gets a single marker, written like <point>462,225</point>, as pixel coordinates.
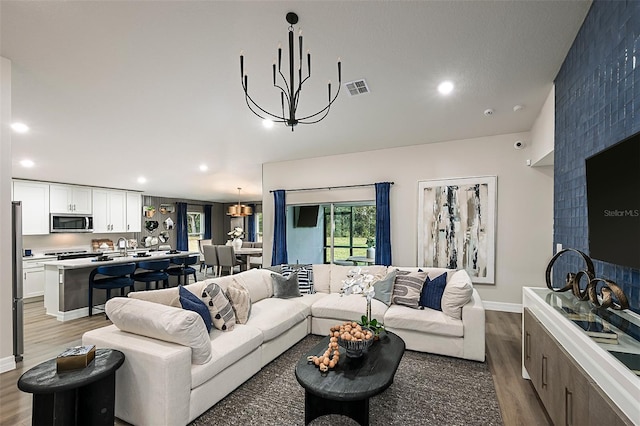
<point>70,222</point>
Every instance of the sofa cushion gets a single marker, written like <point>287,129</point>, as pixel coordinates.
<point>351,307</point>
<point>193,303</point>
<point>384,288</point>
<point>456,294</point>
<point>407,288</point>
<point>275,316</point>
<point>219,307</point>
<point>240,302</point>
<point>432,290</point>
<point>321,278</point>
<point>305,276</point>
<point>161,322</point>
<point>226,349</point>
<point>426,320</point>
<point>285,287</point>
<point>257,282</point>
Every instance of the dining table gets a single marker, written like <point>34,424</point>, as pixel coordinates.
<point>246,253</point>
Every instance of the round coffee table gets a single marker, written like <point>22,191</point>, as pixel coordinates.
<point>83,397</point>
<point>346,389</point>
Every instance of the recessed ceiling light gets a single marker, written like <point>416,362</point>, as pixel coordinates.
<point>267,124</point>
<point>19,127</point>
<point>203,167</point>
<point>142,179</point>
<point>445,87</point>
<point>27,163</point>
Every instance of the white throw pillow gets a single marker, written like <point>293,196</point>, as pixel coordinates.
<point>456,294</point>
<point>162,322</point>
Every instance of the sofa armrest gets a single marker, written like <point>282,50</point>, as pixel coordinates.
<point>473,321</point>
<point>153,386</point>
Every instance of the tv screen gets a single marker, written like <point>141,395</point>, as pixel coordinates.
<point>306,216</point>
<point>613,203</point>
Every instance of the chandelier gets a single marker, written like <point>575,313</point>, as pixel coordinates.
<point>239,210</point>
<point>289,91</point>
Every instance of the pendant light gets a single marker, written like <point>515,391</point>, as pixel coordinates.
<point>239,210</point>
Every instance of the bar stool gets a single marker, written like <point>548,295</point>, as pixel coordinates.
<point>152,271</point>
<point>115,276</point>
<point>184,269</point>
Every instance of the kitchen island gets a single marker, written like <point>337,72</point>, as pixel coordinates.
<point>66,291</point>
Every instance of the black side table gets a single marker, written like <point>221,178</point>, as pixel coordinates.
<point>76,397</point>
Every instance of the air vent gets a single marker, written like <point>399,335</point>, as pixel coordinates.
<point>357,87</point>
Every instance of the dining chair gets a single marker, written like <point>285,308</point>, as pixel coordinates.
<point>211,259</point>
<point>247,244</point>
<point>227,258</point>
<point>184,268</point>
<point>113,277</point>
<point>201,244</point>
<point>152,271</point>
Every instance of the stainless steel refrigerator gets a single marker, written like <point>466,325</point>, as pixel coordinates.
<point>17,280</point>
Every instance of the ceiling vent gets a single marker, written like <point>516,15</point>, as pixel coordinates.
<point>357,87</point>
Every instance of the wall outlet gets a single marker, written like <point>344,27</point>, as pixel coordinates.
<point>558,248</point>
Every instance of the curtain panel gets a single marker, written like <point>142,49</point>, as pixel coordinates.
<point>383,224</point>
<point>279,251</point>
<point>207,222</point>
<point>251,224</point>
<point>182,237</point>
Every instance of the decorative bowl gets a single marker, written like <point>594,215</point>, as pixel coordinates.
<point>356,348</point>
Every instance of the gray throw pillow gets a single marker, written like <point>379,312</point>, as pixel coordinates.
<point>384,288</point>
<point>240,301</point>
<point>407,288</point>
<point>285,287</point>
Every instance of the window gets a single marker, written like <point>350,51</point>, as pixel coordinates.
<point>354,231</point>
<point>195,229</point>
<point>258,218</point>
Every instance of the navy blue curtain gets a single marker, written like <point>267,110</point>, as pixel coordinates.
<point>182,238</point>
<point>383,224</point>
<point>207,222</point>
<point>251,224</point>
<point>279,252</point>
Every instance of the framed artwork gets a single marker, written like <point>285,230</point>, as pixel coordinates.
<point>457,225</point>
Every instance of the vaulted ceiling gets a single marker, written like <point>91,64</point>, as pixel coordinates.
<point>115,90</point>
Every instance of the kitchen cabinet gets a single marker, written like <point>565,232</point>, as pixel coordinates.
<point>70,199</point>
<point>134,212</point>
<point>109,211</point>
<point>35,206</point>
<point>32,278</point>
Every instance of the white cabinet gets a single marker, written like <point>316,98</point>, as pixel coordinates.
<point>35,206</point>
<point>32,278</point>
<point>109,210</point>
<point>69,199</point>
<point>134,212</point>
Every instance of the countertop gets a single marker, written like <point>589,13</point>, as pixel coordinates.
<point>89,262</point>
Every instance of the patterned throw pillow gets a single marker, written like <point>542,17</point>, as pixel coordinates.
<point>305,276</point>
<point>431,295</point>
<point>285,287</point>
<point>191,302</point>
<point>240,302</point>
<point>407,288</point>
<point>219,307</point>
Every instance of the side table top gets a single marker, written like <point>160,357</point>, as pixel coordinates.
<point>44,378</point>
<point>353,378</point>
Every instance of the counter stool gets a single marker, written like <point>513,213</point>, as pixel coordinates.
<point>115,276</point>
<point>152,271</point>
<point>184,269</point>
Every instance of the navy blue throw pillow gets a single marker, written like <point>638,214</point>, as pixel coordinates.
<point>193,303</point>
<point>431,296</point>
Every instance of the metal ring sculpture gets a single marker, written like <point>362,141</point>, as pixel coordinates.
<point>591,290</point>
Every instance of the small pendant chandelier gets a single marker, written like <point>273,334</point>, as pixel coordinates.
<point>290,92</point>
<point>239,210</point>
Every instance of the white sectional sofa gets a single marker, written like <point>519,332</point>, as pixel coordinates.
<point>174,370</point>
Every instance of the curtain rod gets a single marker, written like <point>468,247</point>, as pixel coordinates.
<point>330,187</point>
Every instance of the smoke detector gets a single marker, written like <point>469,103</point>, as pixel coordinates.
<point>357,87</point>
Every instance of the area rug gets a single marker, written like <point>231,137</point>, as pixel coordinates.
<point>427,389</point>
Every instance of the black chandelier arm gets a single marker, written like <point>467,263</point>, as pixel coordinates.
<point>250,102</point>
<point>322,110</point>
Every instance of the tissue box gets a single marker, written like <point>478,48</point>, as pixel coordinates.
<point>75,358</point>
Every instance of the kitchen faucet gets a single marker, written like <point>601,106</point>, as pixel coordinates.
<point>122,245</point>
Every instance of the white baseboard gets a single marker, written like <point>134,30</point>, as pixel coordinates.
<point>75,314</point>
<point>503,307</point>
<point>7,364</point>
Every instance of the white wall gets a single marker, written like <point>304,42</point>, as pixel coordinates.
<point>524,213</point>
<point>6,329</point>
<point>543,132</point>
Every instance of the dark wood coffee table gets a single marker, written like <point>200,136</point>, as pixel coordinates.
<point>347,388</point>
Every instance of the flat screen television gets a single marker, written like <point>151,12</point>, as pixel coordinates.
<point>305,216</point>
<point>613,203</point>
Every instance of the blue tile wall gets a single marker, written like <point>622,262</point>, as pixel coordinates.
<point>597,104</point>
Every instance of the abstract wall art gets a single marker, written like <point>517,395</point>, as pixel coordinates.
<point>456,225</point>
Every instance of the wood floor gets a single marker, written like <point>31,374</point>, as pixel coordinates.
<point>45,337</point>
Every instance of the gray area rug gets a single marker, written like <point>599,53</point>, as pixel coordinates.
<point>427,389</point>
